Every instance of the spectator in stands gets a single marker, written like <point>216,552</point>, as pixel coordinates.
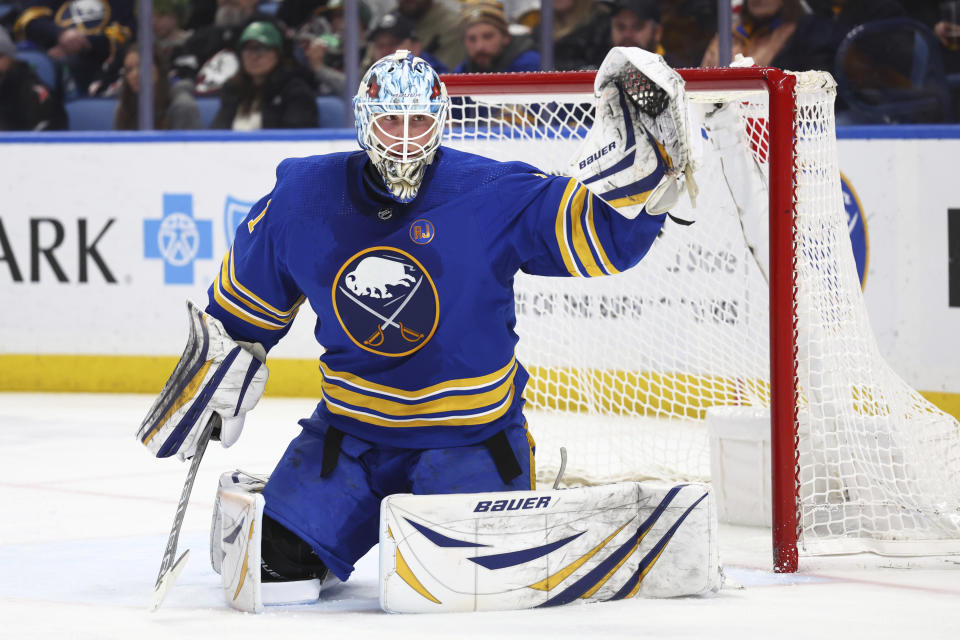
<point>169,16</point>
<point>489,45</point>
<point>438,28</point>
<point>270,91</point>
<point>296,13</point>
<point>568,15</point>
<point>943,17</point>
<point>525,13</point>
<point>25,103</point>
<point>321,41</point>
<point>173,107</point>
<point>391,33</point>
<point>688,26</point>
<point>208,56</point>
<point>581,34</point>
<point>636,23</point>
<point>84,35</point>
<point>764,30</point>
<point>202,14</point>
<point>818,36</point>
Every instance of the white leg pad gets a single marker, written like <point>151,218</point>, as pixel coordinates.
<point>235,538</point>
<point>241,519</point>
<point>526,549</point>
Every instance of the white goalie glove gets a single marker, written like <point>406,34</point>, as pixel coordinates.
<point>640,125</point>
<point>215,374</point>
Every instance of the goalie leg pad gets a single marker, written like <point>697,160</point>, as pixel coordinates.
<point>525,549</point>
<point>236,550</point>
<point>214,374</point>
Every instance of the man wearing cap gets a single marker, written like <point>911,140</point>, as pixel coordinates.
<point>169,16</point>
<point>436,26</point>
<point>489,45</point>
<point>391,33</point>
<point>636,23</point>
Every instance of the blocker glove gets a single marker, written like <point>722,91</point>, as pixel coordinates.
<point>215,374</point>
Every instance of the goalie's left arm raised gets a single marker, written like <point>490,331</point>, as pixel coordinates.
<point>633,166</point>
<point>563,229</point>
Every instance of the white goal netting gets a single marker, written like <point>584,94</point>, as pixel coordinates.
<point>623,368</point>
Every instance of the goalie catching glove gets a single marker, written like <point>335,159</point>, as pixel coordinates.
<point>215,375</point>
<point>638,154</point>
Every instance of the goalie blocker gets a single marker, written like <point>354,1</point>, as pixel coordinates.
<point>520,550</point>
<point>215,374</point>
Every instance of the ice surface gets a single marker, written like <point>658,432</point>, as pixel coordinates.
<point>87,511</point>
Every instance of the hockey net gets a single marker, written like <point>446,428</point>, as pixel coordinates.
<point>624,368</point>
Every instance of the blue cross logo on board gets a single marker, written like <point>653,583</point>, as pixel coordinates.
<point>178,239</point>
<point>234,211</point>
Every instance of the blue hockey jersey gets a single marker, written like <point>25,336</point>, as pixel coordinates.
<point>414,302</point>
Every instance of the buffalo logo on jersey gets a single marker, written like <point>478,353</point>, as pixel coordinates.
<point>386,301</point>
<point>422,231</point>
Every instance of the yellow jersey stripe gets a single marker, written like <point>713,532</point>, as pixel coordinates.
<point>461,384</point>
<point>441,405</point>
<point>561,229</point>
<point>253,223</point>
<point>595,241</point>
<point>224,280</point>
<point>533,463</point>
<point>482,417</point>
<point>579,235</point>
<point>230,307</point>
<point>292,311</point>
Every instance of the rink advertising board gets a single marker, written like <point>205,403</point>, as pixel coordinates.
<point>104,237</point>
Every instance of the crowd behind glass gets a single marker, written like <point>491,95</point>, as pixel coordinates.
<point>264,64</point>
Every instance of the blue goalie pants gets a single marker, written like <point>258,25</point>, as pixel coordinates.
<point>338,513</point>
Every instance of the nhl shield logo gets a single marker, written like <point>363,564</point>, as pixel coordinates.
<point>386,301</point>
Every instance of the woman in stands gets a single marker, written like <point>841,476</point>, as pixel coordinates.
<point>174,107</point>
<point>271,90</point>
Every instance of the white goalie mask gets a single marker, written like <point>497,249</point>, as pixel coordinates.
<point>400,110</point>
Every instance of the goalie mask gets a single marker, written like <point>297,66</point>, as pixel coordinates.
<point>400,110</point>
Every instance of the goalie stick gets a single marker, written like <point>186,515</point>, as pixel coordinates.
<point>170,570</point>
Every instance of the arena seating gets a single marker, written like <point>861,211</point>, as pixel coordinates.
<point>91,114</point>
<point>43,65</point>
<point>96,114</point>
